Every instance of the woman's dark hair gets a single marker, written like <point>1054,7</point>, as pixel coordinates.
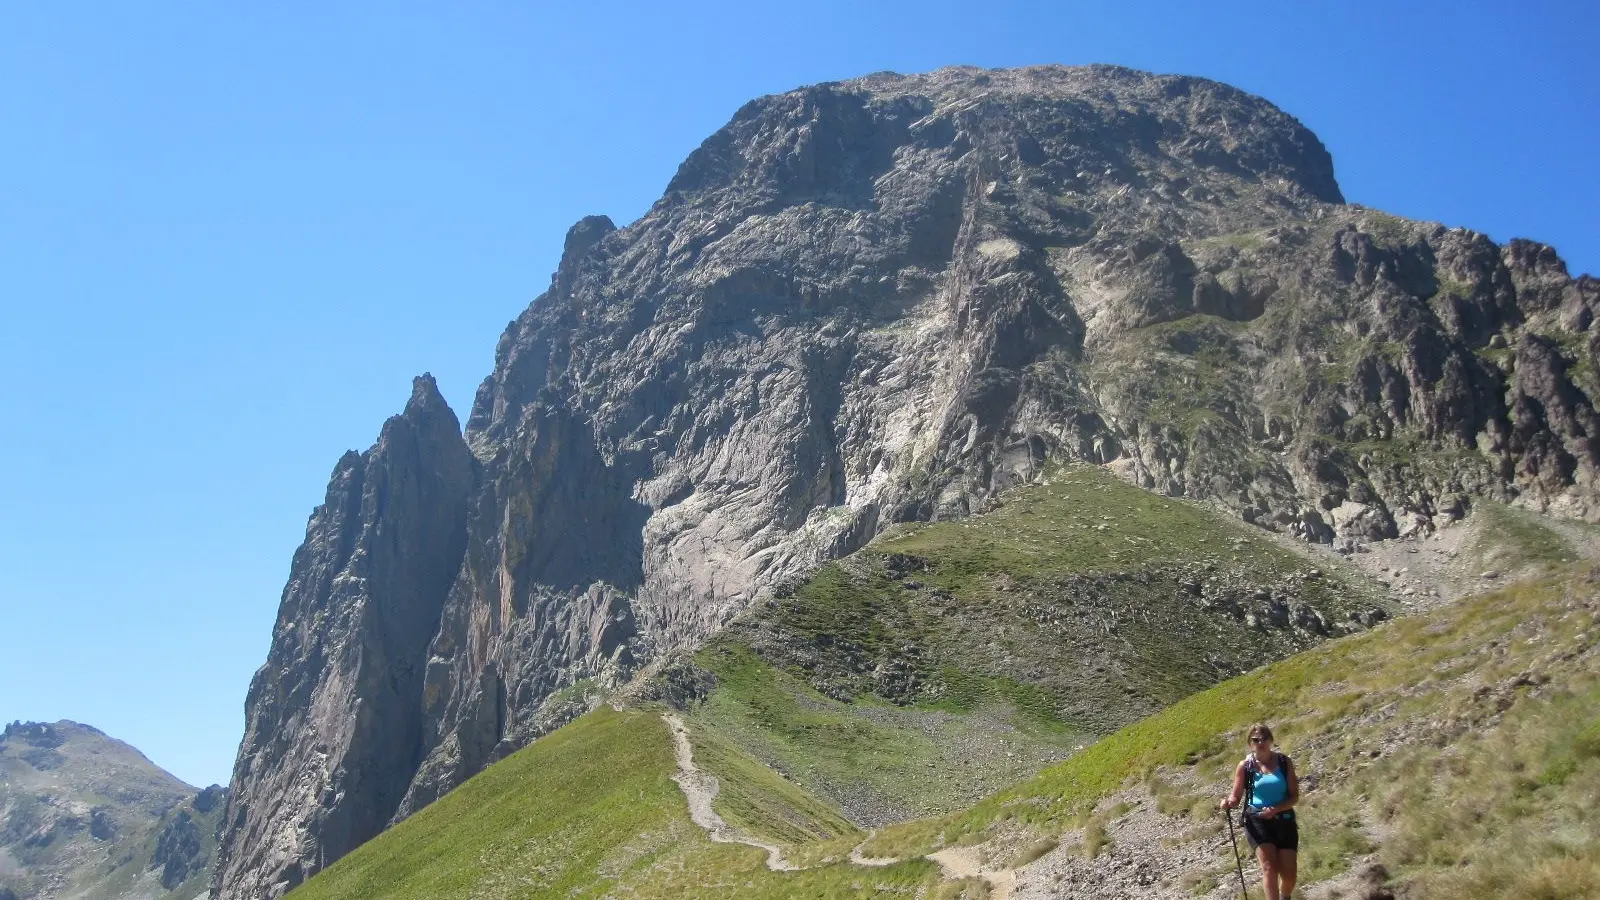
<point>1260,729</point>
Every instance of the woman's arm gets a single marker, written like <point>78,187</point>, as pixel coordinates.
<point>1234,796</point>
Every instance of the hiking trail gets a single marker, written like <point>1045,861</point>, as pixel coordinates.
<point>701,789</point>
<point>963,862</point>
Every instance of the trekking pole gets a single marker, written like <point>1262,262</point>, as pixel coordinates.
<point>1237,861</point>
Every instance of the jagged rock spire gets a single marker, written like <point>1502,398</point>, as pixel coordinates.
<point>332,719</point>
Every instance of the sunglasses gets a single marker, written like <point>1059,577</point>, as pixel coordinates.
<point>1261,740</point>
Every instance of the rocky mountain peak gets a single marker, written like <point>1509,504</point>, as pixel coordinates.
<point>876,301</point>
<point>45,735</point>
<point>49,745</point>
<point>1089,119</point>
<point>583,236</point>
<point>426,400</point>
<point>80,809</point>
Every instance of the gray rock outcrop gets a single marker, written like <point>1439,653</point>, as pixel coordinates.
<point>882,300</point>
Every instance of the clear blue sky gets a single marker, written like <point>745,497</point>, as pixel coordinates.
<point>230,237</point>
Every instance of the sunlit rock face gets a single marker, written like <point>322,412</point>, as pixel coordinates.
<point>881,300</point>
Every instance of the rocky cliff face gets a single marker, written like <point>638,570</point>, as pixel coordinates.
<point>86,817</point>
<point>333,728</point>
<point>883,300</point>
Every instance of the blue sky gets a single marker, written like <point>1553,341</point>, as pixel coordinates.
<point>230,237</point>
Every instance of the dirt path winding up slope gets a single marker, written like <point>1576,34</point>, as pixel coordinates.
<point>963,862</point>
<point>700,789</point>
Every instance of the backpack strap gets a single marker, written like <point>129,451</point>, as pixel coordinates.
<point>1288,781</point>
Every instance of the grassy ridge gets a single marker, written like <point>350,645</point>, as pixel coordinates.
<point>1462,747</point>
<point>947,660</point>
<point>1085,602</point>
<point>1055,528</point>
<point>878,761</point>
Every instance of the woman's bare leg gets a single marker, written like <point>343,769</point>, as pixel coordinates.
<point>1287,869</point>
<point>1267,856</point>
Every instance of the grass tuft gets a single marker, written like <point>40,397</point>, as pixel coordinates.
<point>1094,838</point>
<point>1034,851</point>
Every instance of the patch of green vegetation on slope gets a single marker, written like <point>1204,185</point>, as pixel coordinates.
<point>1516,540</point>
<point>1083,602</point>
<point>1183,374</point>
<point>762,802</point>
<point>589,810</point>
<point>946,660</point>
<point>877,761</point>
<point>1086,521</point>
<point>1460,747</point>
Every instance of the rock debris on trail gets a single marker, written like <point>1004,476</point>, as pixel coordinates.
<point>1145,855</point>
<point>963,862</point>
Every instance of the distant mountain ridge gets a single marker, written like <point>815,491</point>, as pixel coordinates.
<point>84,816</point>
<point>881,301</point>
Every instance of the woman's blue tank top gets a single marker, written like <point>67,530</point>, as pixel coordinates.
<point>1270,788</point>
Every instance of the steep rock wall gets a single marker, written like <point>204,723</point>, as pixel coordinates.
<point>333,728</point>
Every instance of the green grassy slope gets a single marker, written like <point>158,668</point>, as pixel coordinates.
<point>1517,541</point>
<point>932,676</point>
<point>763,802</point>
<point>879,762</point>
<point>588,811</point>
<point>945,661</point>
<point>1460,748</point>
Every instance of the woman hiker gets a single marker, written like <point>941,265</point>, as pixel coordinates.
<point>1269,778</point>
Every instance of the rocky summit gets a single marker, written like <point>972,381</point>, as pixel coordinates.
<point>879,301</point>
<point>84,816</point>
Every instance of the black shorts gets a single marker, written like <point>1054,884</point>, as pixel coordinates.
<point>1277,831</point>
